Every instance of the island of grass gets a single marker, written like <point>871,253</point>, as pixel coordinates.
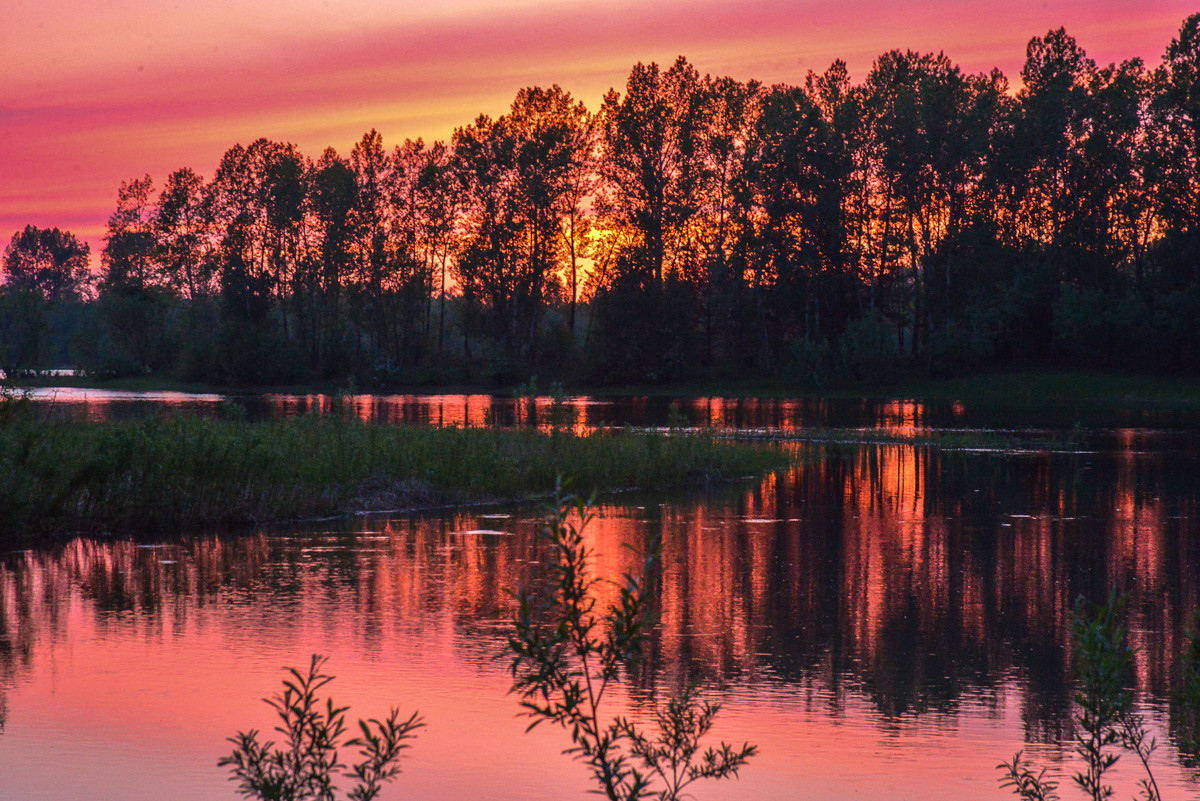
<point>178,473</point>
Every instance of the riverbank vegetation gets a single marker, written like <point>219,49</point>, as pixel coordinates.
<point>918,221</point>
<point>183,472</point>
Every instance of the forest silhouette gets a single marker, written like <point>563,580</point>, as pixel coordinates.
<point>693,228</point>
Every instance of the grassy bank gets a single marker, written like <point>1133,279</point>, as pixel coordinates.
<point>188,472</point>
<point>1032,389</point>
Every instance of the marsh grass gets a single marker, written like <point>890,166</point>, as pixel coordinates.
<point>186,472</point>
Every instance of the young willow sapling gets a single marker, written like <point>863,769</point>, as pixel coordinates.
<point>1106,722</point>
<point>568,655</point>
<point>307,765</point>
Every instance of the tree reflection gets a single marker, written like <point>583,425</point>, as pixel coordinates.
<point>917,579</point>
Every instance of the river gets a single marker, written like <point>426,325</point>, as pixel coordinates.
<point>884,621</point>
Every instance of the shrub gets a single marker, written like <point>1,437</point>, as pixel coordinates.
<point>868,348</point>
<point>568,656</point>
<point>1106,723</point>
<point>308,764</point>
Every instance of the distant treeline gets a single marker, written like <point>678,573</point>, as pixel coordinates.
<point>694,227</point>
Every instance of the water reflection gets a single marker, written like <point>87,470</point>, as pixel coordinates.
<point>583,413</point>
<point>904,581</point>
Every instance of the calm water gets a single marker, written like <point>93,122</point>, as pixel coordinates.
<point>885,621</point>
<point>771,414</point>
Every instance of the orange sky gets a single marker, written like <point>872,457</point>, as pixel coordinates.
<point>98,92</point>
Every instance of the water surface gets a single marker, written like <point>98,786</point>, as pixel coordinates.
<point>885,621</point>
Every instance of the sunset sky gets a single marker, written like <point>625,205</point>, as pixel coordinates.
<point>98,92</point>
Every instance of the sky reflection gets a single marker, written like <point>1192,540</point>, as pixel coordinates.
<point>888,618</point>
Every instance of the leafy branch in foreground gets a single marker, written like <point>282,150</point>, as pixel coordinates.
<point>1105,718</point>
<point>681,725</point>
<point>1025,783</point>
<point>568,655</point>
<point>308,764</point>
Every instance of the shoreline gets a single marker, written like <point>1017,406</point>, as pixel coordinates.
<point>1018,388</point>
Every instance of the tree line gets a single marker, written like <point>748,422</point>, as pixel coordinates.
<point>693,227</point>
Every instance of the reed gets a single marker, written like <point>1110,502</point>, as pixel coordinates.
<point>186,472</point>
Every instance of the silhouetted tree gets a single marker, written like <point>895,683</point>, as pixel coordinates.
<point>651,160</point>
<point>715,262</point>
<point>1172,159</point>
<point>700,226</point>
<point>48,262</point>
<point>129,245</point>
<point>324,329</point>
<point>652,166</point>
<point>426,179</point>
<point>133,304</point>
<point>552,146</point>
<point>488,265</point>
<point>786,238</point>
<point>181,225</point>
<point>45,270</point>
<point>422,220</point>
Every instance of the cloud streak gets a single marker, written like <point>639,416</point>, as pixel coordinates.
<point>113,91</point>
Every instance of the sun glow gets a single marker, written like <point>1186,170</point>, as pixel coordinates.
<point>148,87</point>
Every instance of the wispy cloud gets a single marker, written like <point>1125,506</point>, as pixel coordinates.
<point>98,93</point>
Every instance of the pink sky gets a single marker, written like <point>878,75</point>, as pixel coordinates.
<point>95,93</point>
